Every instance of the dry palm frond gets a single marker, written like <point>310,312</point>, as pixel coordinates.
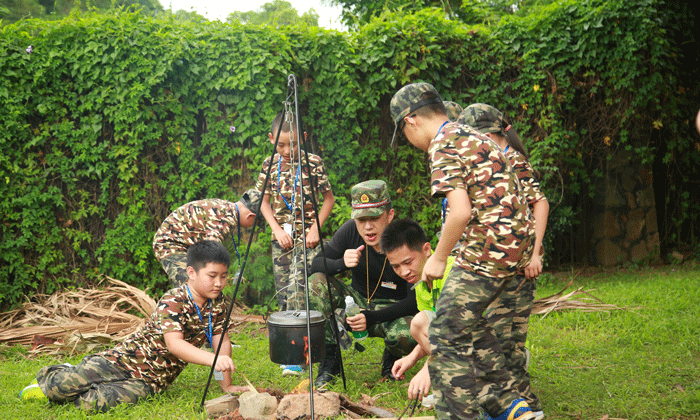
<point>77,320</point>
<point>560,301</point>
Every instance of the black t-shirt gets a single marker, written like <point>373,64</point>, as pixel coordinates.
<point>392,286</point>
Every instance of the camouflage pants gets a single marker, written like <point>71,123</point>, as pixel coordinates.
<point>509,314</point>
<point>282,266</point>
<point>175,265</point>
<point>466,366</point>
<point>94,384</point>
<point>396,333</point>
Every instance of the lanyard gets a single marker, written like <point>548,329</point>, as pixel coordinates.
<point>235,244</point>
<point>506,149</point>
<point>444,210</point>
<point>209,333</point>
<point>443,125</point>
<point>279,172</point>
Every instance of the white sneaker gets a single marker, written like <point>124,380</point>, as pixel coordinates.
<point>291,370</point>
<point>539,415</point>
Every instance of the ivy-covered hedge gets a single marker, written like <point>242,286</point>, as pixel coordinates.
<point>112,121</point>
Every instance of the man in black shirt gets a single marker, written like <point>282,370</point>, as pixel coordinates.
<point>387,302</point>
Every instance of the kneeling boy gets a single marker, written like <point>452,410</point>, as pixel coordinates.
<point>150,359</point>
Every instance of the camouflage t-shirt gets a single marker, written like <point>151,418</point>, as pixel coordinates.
<point>282,185</point>
<point>144,353</point>
<point>501,230</point>
<point>529,184</point>
<point>210,219</point>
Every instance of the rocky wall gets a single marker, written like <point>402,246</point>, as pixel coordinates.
<point>624,227</point>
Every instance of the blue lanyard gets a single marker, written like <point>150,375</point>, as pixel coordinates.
<point>443,124</point>
<point>235,245</point>
<point>209,333</point>
<point>444,210</point>
<point>296,180</point>
<point>506,149</point>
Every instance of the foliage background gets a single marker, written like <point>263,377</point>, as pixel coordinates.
<point>115,119</point>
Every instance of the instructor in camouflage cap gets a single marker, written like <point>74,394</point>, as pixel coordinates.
<point>386,301</point>
<point>369,199</point>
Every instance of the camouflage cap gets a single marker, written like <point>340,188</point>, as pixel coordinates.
<point>369,199</point>
<point>251,199</point>
<point>408,99</point>
<point>483,118</point>
<point>453,110</point>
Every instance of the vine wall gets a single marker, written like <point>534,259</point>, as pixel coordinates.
<point>112,121</point>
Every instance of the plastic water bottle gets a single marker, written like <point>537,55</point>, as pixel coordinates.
<point>351,309</point>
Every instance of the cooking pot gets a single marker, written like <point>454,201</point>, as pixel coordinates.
<point>289,341</point>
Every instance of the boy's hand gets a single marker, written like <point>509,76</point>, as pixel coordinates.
<point>312,238</point>
<point>534,269</point>
<point>420,384</point>
<point>352,256</point>
<point>434,268</point>
<point>283,239</point>
<point>224,363</point>
<point>401,366</point>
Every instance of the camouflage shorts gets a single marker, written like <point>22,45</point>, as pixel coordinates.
<point>286,281</point>
<point>175,265</point>
<point>396,333</point>
<point>94,384</point>
<point>467,367</point>
<point>509,315</point>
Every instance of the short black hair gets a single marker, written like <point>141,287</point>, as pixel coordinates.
<point>402,232</point>
<point>279,119</point>
<point>204,252</point>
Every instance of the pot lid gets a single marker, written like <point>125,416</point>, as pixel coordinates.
<point>295,318</point>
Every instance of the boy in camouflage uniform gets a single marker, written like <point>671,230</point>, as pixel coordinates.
<point>149,360</point>
<point>386,301</point>
<point>209,219</point>
<point>510,312</point>
<point>486,203</point>
<point>282,207</point>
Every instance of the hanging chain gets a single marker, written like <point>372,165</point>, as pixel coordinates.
<point>294,168</point>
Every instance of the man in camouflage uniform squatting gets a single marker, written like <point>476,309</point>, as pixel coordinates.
<point>282,207</point>
<point>386,301</point>
<point>209,219</point>
<point>149,360</point>
<point>486,203</point>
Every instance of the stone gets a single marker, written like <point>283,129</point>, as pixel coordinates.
<point>645,197</point>
<point>294,406</point>
<point>221,406</point>
<point>651,222</point>
<point>634,225</point>
<point>608,253</point>
<point>612,197</point>
<point>606,226</point>
<point>257,406</point>
<point>639,252</point>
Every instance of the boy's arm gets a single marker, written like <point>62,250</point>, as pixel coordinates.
<point>541,214</point>
<point>314,235</point>
<point>225,351</point>
<point>457,220</point>
<point>183,350</point>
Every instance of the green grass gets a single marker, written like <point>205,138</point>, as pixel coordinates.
<point>642,362</point>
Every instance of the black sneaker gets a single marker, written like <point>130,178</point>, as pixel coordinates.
<point>388,360</point>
